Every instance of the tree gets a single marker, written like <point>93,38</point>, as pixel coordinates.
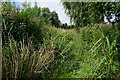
<point>54,19</point>
<point>83,14</point>
<point>45,13</point>
<point>74,10</point>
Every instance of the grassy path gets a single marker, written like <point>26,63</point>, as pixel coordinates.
<point>79,61</point>
<point>82,64</point>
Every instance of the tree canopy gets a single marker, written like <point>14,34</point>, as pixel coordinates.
<point>55,19</point>
<point>82,13</point>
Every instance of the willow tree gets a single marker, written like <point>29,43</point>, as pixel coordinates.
<point>82,14</point>
<point>75,12</point>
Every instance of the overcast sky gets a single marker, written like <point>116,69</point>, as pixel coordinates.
<point>53,5</point>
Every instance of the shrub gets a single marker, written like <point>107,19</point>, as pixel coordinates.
<point>19,22</point>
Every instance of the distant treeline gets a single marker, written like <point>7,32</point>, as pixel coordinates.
<point>66,26</point>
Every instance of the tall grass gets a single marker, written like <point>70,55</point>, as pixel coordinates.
<point>108,66</point>
<point>22,60</point>
<point>91,53</point>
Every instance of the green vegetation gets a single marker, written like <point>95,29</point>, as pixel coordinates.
<point>84,13</point>
<point>34,49</point>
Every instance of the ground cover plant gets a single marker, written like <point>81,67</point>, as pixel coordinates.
<point>33,48</point>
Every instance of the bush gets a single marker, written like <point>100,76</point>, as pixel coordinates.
<point>19,22</point>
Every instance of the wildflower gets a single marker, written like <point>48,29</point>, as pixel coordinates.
<point>5,12</point>
<point>106,63</point>
<point>9,14</point>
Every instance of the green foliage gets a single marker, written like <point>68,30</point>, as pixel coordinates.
<point>23,58</point>
<point>9,22</point>
<point>75,11</point>
<point>50,17</point>
<point>92,53</point>
<point>105,66</point>
<point>83,14</point>
<point>54,19</point>
<point>20,22</point>
<point>46,14</point>
<point>37,50</point>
